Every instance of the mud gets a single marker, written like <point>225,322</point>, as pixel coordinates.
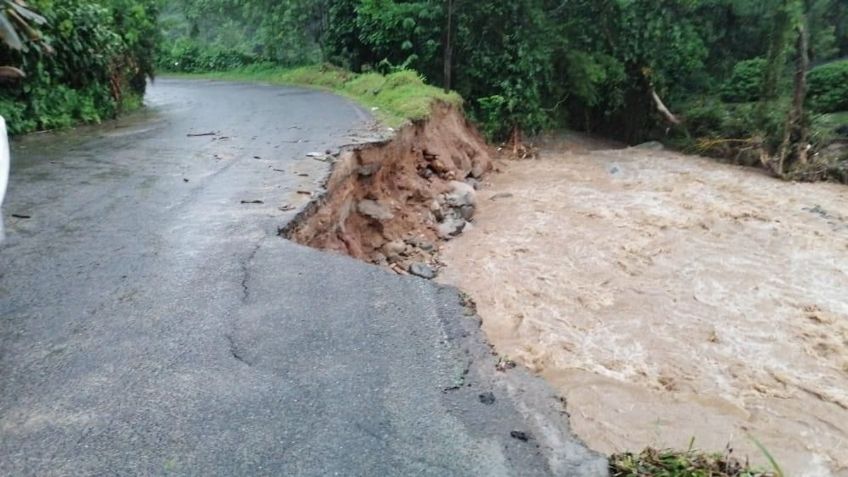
<point>669,297</point>
<point>383,201</point>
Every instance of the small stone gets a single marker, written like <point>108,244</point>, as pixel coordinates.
<point>368,170</point>
<point>422,270</point>
<point>451,227</point>
<point>392,250</point>
<point>379,259</point>
<point>477,170</point>
<point>461,194</point>
<point>467,212</point>
<point>502,195</point>
<point>487,398</point>
<point>650,146</point>
<point>374,210</point>
<point>520,435</point>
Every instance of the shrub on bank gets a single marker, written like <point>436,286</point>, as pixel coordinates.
<point>828,91</point>
<point>99,59</point>
<point>746,81</point>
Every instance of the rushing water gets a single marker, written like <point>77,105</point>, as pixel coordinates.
<point>669,297</point>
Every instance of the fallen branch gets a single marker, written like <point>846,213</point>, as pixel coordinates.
<point>11,72</point>
<point>661,107</point>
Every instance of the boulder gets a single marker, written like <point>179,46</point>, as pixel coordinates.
<point>374,210</point>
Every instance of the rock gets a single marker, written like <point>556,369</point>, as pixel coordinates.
<point>461,194</point>
<point>379,259</point>
<point>422,270</point>
<point>467,212</point>
<point>478,169</point>
<point>473,183</point>
<point>393,250</point>
<point>420,243</point>
<point>451,227</point>
<point>502,195</point>
<point>374,210</point>
<point>651,146</point>
<point>520,435</point>
<point>368,170</point>
<point>487,398</point>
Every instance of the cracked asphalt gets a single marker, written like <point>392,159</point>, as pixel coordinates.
<point>152,321</point>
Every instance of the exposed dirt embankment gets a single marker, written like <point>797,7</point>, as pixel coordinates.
<point>389,202</point>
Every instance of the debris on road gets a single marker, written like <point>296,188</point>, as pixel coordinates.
<point>211,133</point>
<point>487,398</point>
<point>422,270</point>
<point>252,202</point>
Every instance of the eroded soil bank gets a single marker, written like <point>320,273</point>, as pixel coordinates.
<point>668,296</point>
<point>388,203</point>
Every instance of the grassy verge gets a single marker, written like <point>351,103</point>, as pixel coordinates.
<point>691,463</point>
<point>398,97</point>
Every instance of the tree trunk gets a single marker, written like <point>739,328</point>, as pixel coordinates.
<point>449,49</point>
<point>796,133</point>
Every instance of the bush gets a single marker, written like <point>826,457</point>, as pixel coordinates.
<point>99,66</point>
<point>746,81</point>
<point>707,119</point>
<point>829,87</point>
<point>186,56</point>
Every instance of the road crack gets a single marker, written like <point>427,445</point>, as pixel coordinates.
<point>245,272</point>
<point>236,352</point>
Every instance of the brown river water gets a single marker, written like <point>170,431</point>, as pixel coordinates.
<point>670,297</point>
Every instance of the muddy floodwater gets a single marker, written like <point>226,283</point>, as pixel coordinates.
<point>669,297</point>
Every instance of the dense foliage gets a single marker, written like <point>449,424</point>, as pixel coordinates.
<point>702,73</point>
<point>829,87</point>
<point>100,54</point>
<point>531,64</point>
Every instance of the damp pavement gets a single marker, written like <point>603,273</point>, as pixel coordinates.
<point>152,321</point>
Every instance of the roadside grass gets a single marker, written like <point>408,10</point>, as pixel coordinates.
<point>689,463</point>
<point>394,98</point>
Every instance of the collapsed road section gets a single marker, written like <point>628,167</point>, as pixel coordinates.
<point>389,202</point>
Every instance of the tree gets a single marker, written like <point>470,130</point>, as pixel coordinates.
<point>18,24</point>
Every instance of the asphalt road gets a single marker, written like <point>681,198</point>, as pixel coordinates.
<point>151,323</point>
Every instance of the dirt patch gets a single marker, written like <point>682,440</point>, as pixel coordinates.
<point>390,202</point>
<point>667,296</point>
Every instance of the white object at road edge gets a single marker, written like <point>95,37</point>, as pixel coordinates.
<point>4,168</point>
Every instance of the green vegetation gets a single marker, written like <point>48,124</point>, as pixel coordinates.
<point>696,73</point>
<point>398,97</point>
<point>691,463</point>
<point>88,61</point>
<point>829,87</point>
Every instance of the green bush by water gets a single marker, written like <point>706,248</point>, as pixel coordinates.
<point>828,91</point>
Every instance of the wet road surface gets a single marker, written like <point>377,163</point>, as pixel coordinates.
<point>152,322</point>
